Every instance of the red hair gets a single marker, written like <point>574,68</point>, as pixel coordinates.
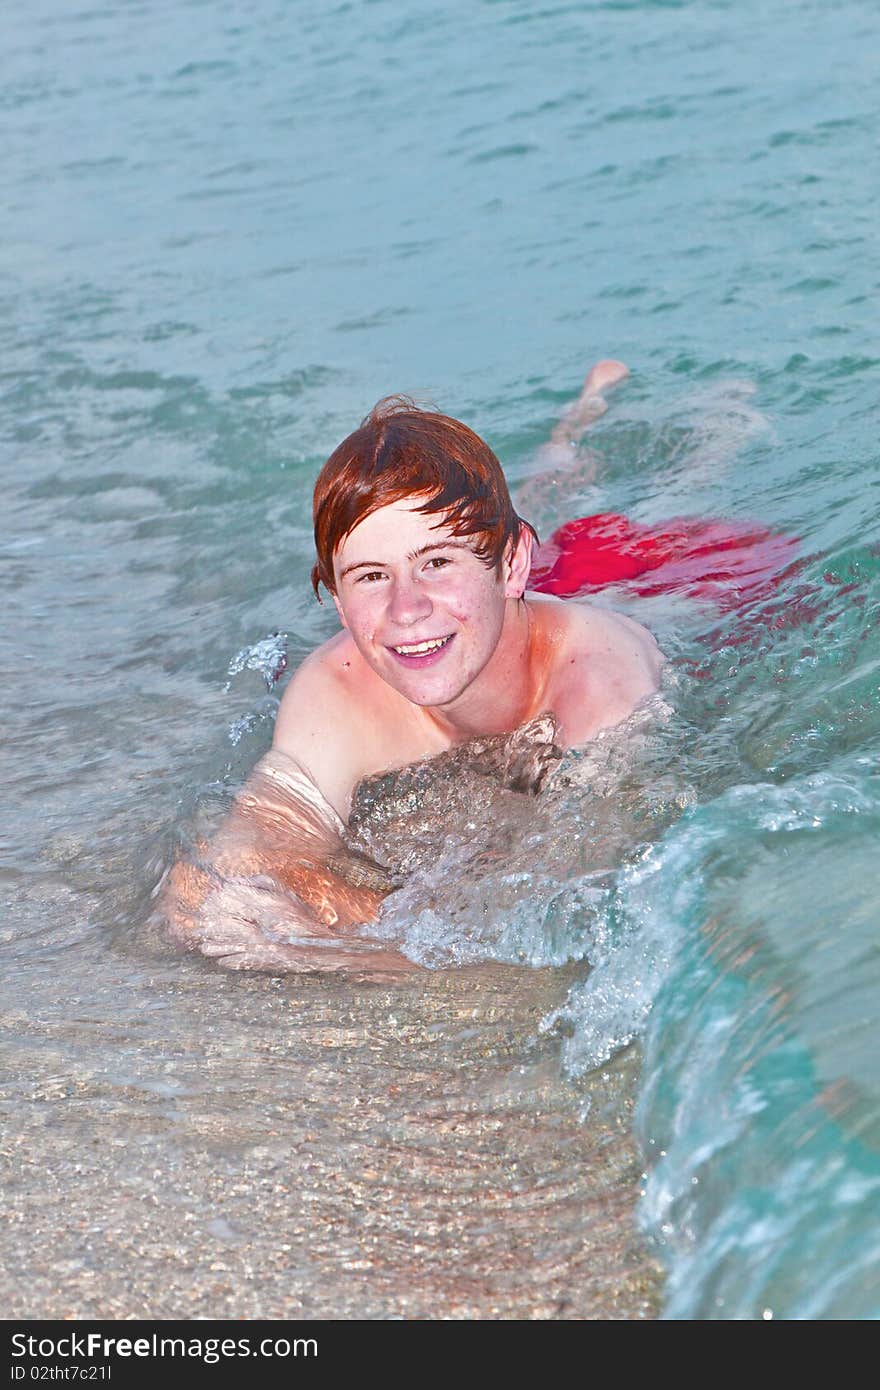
<point>399,452</point>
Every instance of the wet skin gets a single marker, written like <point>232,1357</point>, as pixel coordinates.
<point>404,582</point>
<point>438,648</point>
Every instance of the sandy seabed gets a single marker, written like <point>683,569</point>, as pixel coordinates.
<point>221,1146</point>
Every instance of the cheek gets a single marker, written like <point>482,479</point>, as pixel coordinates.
<point>481,606</point>
<point>361,618</point>
<point>360,628</point>
<point>469,599</point>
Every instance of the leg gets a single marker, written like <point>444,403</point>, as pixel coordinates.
<point>561,467</point>
<point>591,403</point>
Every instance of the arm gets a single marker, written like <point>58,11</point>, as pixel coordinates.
<point>276,888</point>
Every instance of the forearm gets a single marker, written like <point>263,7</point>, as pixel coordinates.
<point>282,827</point>
<point>276,888</point>
<point>249,923</point>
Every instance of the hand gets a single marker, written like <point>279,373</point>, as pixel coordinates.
<point>252,923</point>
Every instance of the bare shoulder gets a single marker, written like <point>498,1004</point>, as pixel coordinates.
<point>320,719</point>
<point>607,665</point>
<point>621,637</point>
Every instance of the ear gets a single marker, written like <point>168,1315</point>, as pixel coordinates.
<point>339,610</point>
<point>517,564</point>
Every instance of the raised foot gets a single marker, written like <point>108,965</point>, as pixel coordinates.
<point>603,376</point>
<point>591,403</point>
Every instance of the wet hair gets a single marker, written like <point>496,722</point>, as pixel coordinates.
<point>400,451</point>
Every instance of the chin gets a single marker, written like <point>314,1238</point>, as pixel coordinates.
<point>429,693</point>
<point>426,697</point>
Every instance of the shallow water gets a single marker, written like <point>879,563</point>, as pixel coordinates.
<point>223,238</point>
<point>188,1144</point>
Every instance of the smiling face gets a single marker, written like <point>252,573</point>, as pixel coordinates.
<point>424,611</point>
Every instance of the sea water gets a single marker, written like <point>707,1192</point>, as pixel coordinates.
<point>228,229</point>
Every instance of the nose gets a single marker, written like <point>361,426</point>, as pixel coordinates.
<point>409,602</point>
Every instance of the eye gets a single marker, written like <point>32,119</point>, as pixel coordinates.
<point>370,577</point>
<point>438,562</point>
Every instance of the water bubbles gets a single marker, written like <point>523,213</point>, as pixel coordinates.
<point>239,727</point>
<point>261,714</point>
<point>268,656</point>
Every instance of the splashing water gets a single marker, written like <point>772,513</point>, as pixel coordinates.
<point>268,656</point>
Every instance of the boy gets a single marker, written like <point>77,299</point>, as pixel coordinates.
<point>427,563</point>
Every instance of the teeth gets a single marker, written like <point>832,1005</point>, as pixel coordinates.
<point>419,648</point>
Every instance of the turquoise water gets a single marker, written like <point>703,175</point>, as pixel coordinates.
<point>227,229</point>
